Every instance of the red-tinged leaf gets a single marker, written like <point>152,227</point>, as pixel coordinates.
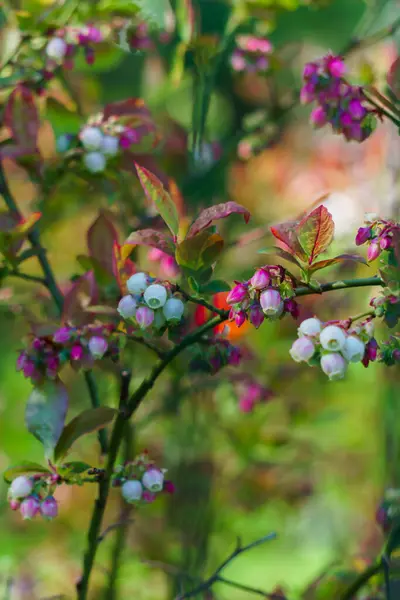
<point>393,77</point>
<point>123,267</point>
<point>156,192</point>
<point>176,196</point>
<point>219,211</point>
<point>45,413</point>
<point>286,235</point>
<point>22,118</point>
<point>315,232</point>
<point>199,252</point>
<point>101,238</point>
<point>282,253</point>
<point>322,264</point>
<point>152,238</point>
<point>86,422</point>
<point>82,294</point>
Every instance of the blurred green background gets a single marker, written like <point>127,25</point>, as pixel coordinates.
<point>311,464</point>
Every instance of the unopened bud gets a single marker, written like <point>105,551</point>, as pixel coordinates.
<point>49,508</point>
<point>153,480</point>
<point>20,487</point>
<point>56,48</point>
<point>256,315</point>
<point>237,294</point>
<point>91,138</point>
<point>354,349</point>
<point>310,327</point>
<point>373,251</point>
<point>363,235</point>
<point>127,307</point>
<point>137,283</point>
<point>144,316</point>
<point>110,145</point>
<point>95,162</point>
<point>302,349</point>
<point>260,279</point>
<point>29,507</point>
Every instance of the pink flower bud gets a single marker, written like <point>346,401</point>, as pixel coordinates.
<point>246,404</point>
<point>148,497</point>
<point>169,487</point>
<point>363,234</point>
<point>385,242</point>
<point>235,356</point>
<point>373,251</point>
<point>20,487</point>
<point>155,254</point>
<point>238,62</point>
<point>292,307</point>
<point>29,507</point>
<point>62,335</point>
<point>302,350</point>
<point>76,352</point>
<point>168,266</point>
<point>15,504</point>
<point>336,66</point>
<point>97,346</point>
<point>153,480</point>
<point>318,117</point>
<point>49,508</point>
<point>240,318</point>
<point>256,315</point>
<point>144,316</point>
<point>356,109</point>
<point>260,279</point>
<point>346,120</point>
<point>333,365</point>
<point>21,360</point>
<point>271,303</point>
<point>310,69</point>
<point>307,93</point>
<point>237,294</point>
<point>29,368</point>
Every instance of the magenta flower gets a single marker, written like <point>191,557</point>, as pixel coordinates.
<point>76,352</point>
<point>62,335</point>
<point>260,280</point>
<point>373,251</point>
<point>363,235</point>
<point>256,315</point>
<point>49,508</point>
<point>29,507</point>
<point>237,294</point>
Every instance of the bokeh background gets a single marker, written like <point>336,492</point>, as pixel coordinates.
<point>312,463</point>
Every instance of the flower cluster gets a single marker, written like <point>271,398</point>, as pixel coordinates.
<point>64,44</point>
<point>33,496</point>
<point>252,54</point>
<point>251,393</point>
<point>80,347</point>
<point>266,295</point>
<point>150,303</point>
<point>100,140</point>
<point>141,480</point>
<point>167,264</point>
<point>333,345</point>
<point>338,103</point>
<point>390,351</point>
<point>379,234</point>
<point>215,354</point>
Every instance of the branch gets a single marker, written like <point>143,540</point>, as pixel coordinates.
<point>360,581</point>
<point>200,301</point>
<point>140,340</point>
<point>50,283</point>
<point>26,277</point>
<point>216,576</point>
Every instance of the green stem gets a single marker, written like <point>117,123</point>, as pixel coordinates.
<point>50,283</point>
<point>381,110</point>
<point>26,277</point>
<point>340,285</point>
<point>360,581</point>
<point>200,302</point>
<point>95,401</point>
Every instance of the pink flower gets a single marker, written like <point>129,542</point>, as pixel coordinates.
<point>356,109</point>
<point>237,294</point>
<point>144,316</point>
<point>307,93</point>
<point>97,346</point>
<point>29,368</point>
<point>310,69</point>
<point>76,352</point>
<point>21,360</point>
<point>246,404</point>
<point>148,497</point>
<point>363,234</point>
<point>15,504</point>
<point>318,117</point>
<point>62,335</point>
<point>29,507</point>
<point>373,251</point>
<point>271,303</point>
<point>335,66</point>
<point>169,487</point>
<point>385,242</point>
<point>256,315</point>
<point>49,508</point>
<point>235,356</point>
<point>240,318</point>
<point>260,279</point>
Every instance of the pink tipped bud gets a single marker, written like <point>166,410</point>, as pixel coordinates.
<point>15,504</point>
<point>49,508</point>
<point>235,356</point>
<point>256,315</point>
<point>318,117</point>
<point>62,335</point>
<point>302,350</point>
<point>385,242</point>
<point>363,234</point>
<point>260,279</point>
<point>144,316</point>
<point>127,307</point>
<point>29,507</point>
<point>356,109</point>
<point>97,346</point>
<point>169,487</point>
<point>153,480</point>
<point>237,294</point>
<point>336,66</point>
<point>76,352</point>
<point>148,497</point>
<point>271,303</point>
<point>21,487</point>
<point>307,93</point>
<point>238,62</point>
<point>292,307</point>
<point>240,318</point>
<point>373,251</point>
<point>333,365</point>
<point>310,69</point>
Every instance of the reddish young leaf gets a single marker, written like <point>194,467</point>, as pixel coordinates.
<point>22,118</point>
<point>285,233</point>
<point>152,238</point>
<point>156,192</point>
<point>322,264</point>
<point>219,211</point>
<point>123,267</point>
<point>393,77</point>
<point>199,252</point>
<point>282,253</point>
<point>83,292</point>
<point>315,232</point>
<point>101,237</point>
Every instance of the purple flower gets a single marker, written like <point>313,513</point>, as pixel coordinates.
<point>62,335</point>
<point>240,318</point>
<point>256,315</point>
<point>97,346</point>
<point>29,507</point>
<point>363,234</point>
<point>335,66</point>
<point>144,316</point>
<point>373,251</point>
<point>356,109</point>
<point>49,508</point>
<point>237,294</point>
<point>235,356</point>
<point>76,352</point>
<point>318,117</point>
<point>385,242</point>
<point>271,303</point>
<point>260,280</point>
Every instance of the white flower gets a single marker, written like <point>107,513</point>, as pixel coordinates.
<point>271,303</point>
<point>20,487</point>
<point>302,350</point>
<point>353,349</point>
<point>155,295</point>
<point>91,138</point>
<point>153,480</point>
<point>95,162</point>
<point>369,328</point>
<point>310,327</point>
<point>56,48</point>
<point>173,309</point>
<point>97,346</point>
<point>127,307</point>
<point>332,338</point>
<point>137,283</point>
<point>110,145</point>
<point>333,365</point>
<point>132,490</point>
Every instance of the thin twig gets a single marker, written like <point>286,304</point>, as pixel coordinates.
<point>199,301</point>
<point>140,340</point>
<point>360,581</point>
<point>26,277</point>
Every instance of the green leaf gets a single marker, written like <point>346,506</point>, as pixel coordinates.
<point>73,468</point>
<point>156,193</point>
<point>200,251</point>
<point>45,413</point>
<point>193,284</point>
<point>315,232</point>
<point>22,469</point>
<point>86,422</point>
<point>214,287</point>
